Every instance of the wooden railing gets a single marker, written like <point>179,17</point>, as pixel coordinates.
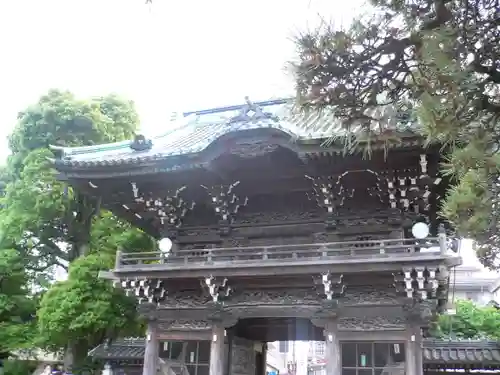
<point>283,253</point>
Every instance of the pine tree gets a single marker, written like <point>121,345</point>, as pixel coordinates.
<point>432,65</point>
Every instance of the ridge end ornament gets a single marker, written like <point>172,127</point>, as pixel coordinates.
<point>141,143</point>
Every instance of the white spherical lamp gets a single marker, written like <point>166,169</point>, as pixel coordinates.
<point>420,231</point>
<point>165,245</point>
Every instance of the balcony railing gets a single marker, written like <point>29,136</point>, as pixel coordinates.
<point>284,253</point>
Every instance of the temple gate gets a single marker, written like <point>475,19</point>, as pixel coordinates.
<point>263,227</point>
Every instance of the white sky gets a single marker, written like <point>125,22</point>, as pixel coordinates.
<point>173,56</point>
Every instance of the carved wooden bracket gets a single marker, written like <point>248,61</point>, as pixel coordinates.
<point>169,209</point>
<point>151,291</point>
<point>333,286</point>
<point>332,192</point>
<point>419,283</point>
<point>219,289</point>
<point>411,191</point>
<point>225,202</point>
<point>327,192</point>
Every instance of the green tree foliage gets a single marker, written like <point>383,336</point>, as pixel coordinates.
<point>51,224</point>
<point>17,310</point>
<point>84,310</point>
<point>470,322</point>
<point>433,65</point>
<point>57,214</point>
<point>19,367</point>
<point>44,216</point>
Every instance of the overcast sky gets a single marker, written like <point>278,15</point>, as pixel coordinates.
<point>174,55</point>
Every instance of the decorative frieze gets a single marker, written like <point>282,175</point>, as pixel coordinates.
<point>184,325</point>
<point>379,323</point>
<point>291,296</point>
<point>419,312</point>
<point>249,150</point>
<point>284,296</point>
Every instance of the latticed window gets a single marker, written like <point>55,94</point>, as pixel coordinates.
<point>284,346</point>
<point>319,348</point>
<point>193,356</point>
<point>368,358</point>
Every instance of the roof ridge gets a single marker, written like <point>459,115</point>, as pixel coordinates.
<point>110,146</point>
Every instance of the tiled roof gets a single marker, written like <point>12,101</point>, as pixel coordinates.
<point>120,349</point>
<point>197,130</point>
<point>436,353</point>
<point>478,354</point>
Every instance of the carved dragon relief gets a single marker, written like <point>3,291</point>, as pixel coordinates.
<point>270,217</point>
<point>363,295</point>
<point>343,217</point>
<point>249,150</point>
<point>184,325</point>
<point>274,297</point>
<point>372,323</point>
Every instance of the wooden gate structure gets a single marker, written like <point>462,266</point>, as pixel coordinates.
<point>268,232</point>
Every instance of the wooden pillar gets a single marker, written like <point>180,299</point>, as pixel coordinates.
<point>152,350</point>
<point>414,362</point>
<point>264,358</point>
<point>419,360</point>
<point>332,348</point>
<point>229,360</point>
<point>216,349</point>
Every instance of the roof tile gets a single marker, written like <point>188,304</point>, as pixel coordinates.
<point>436,353</point>
<point>199,129</point>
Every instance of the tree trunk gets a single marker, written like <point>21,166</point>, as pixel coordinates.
<point>76,352</point>
<point>75,355</point>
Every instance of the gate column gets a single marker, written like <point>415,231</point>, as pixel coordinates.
<point>332,345</point>
<point>152,349</point>
<point>217,349</point>
<point>332,348</point>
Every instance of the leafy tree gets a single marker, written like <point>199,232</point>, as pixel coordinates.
<point>84,310</point>
<point>50,224</point>
<point>431,65</point>
<point>19,367</point>
<point>17,309</point>
<point>49,219</point>
<point>470,322</point>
